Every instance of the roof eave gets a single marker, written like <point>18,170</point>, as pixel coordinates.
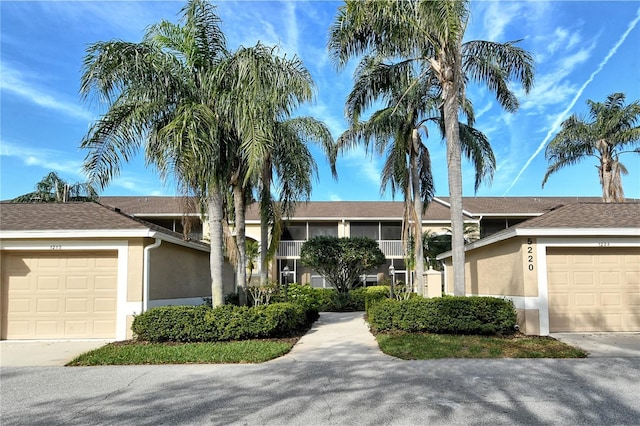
<point>546,232</point>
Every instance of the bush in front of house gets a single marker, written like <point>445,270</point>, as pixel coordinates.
<point>362,297</point>
<point>329,300</point>
<point>446,315</point>
<point>173,324</point>
<point>227,322</point>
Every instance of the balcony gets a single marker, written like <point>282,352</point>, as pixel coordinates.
<point>390,248</point>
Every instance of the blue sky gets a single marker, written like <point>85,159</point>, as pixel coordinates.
<point>583,50</point>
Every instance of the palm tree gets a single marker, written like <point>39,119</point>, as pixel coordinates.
<point>158,95</point>
<point>293,167</point>
<point>263,91</point>
<point>53,189</point>
<point>411,101</point>
<point>430,34</point>
<point>613,130</point>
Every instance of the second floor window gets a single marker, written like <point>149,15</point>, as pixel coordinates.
<point>365,229</point>
<point>317,229</point>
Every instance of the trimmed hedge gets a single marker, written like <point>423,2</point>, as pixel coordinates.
<point>227,322</point>
<point>446,315</point>
<point>329,300</point>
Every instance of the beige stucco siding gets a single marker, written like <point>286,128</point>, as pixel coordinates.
<point>177,272</point>
<point>500,269</point>
<point>135,270</point>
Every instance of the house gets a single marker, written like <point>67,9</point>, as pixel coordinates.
<point>82,270</point>
<point>380,220</point>
<point>575,268</point>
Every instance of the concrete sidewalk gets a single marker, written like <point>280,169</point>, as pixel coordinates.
<point>44,353</point>
<point>337,336</point>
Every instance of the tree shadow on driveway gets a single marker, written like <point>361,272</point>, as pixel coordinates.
<point>450,391</point>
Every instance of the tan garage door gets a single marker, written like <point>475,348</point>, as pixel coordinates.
<point>59,295</point>
<point>594,289</point>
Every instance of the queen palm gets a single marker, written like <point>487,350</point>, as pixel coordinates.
<point>430,33</point>
<point>410,102</point>
<point>263,91</point>
<point>613,130</point>
<point>53,189</point>
<point>158,97</point>
<point>293,167</point>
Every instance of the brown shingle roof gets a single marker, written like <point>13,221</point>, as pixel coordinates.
<point>378,210</point>
<point>63,216</point>
<point>146,205</point>
<point>588,215</point>
<point>518,205</point>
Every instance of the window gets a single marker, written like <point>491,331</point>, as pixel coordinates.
<point>294,232</point>
<point>325,229</point>
<point>365,229</point>
<point>391,230</point>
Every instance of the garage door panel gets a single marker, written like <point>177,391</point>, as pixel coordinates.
<point>47,283</point>
<point>78,283</point>
<point>584,300</point>
<point>613,321</point>
<point>59,295</point>
<point>77,306</point>
<point>581,278</point>
<point>594,289</point>
<point>609,300</point>
<point>104,305</point>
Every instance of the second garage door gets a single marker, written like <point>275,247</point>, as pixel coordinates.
<point>594,289</point>
<point>59,295</point>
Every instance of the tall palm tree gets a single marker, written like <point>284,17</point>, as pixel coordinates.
<point>411,101</point>
<point>614,130</point>
<point>430,33</point>
<point>158,94</point>
<point>263,91</point>
<point>53,189</point>
<point>293,167</point>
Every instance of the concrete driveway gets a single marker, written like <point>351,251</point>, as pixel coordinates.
<point>14,353</point>
<point>599,345</point>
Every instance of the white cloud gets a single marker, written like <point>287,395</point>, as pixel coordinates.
<point>334,197</point>
<point>358,161</point>
<point>48,159</point>
<point>16,83</point>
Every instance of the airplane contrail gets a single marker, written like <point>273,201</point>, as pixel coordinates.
<point>561,117</point>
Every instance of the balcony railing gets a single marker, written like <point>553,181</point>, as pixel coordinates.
<point>290,248</point>
<point>390,248</point>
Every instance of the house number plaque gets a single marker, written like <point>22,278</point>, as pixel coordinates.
<point>530,254</point>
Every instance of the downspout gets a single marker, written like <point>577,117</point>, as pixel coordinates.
<point>145,283</point>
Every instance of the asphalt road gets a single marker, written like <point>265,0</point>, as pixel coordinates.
<point>598,391</point>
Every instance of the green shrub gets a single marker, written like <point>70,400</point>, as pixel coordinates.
<point>450,315</point>
<point>173,324</point>
<point>227,322</point>
<point>329,300</point>
<point>362,296</point>
<point>310,297</point>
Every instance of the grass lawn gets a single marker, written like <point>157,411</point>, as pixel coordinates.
<point>132,353</point>
<point>432,346</point>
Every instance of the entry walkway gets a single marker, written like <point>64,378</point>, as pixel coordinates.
<point>337,336</point>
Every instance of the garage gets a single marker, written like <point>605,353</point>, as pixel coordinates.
<point>594,289</point>
<point>59,294</point>
<point>575,268</point>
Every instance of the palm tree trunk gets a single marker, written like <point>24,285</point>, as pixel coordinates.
<point>241,267</point>
<point>450,93</point>
<point>265,197</point>
<point>418,207</point>
<point>216,259</point>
